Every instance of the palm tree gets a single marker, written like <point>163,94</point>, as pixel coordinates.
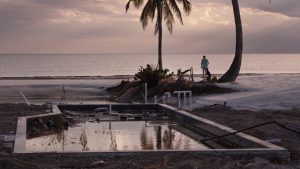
<point>235,67</point>
<point>163,10</point>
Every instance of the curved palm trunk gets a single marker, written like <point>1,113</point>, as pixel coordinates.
<point>159,21</point>
<point>234,69</point>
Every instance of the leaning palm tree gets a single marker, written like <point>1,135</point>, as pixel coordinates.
<point>163,10</point>
<point>235,67</point>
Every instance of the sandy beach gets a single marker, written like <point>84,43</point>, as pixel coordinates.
<point>259,98</point>
<point>255,91</point>
<point>39,91</point>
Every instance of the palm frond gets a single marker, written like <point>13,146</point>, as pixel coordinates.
<point>168,16</point>
<point>127,5</point>
<point>164,10</point>
<point>175,8</point>
<point>148,13</point>
<point>136,4</point>
<point>187,6</point>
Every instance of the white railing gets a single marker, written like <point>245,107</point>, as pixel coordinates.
<point>184,93</point>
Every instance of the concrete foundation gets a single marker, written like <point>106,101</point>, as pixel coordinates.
<point>239,145</point>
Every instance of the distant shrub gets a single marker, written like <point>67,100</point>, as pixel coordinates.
<point>214,79</point>
<point>151,76</point>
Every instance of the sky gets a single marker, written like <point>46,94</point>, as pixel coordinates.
<point>103,26</point>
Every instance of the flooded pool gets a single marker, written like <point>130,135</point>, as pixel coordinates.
<point>115,136</point>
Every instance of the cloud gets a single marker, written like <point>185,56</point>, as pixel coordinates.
<point>102,26</point>
<point>289,8</point>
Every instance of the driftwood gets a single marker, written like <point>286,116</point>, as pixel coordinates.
<point>181,74</point>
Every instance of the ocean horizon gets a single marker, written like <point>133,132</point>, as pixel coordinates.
<point>32,65</point>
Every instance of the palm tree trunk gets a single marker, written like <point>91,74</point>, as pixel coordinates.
<point>235,67</point>
<point>159,20</point>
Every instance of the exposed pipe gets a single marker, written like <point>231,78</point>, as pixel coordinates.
<point>24,97</point>
<point>185,93</point>
<point>109,108</point>
<point>146,94</point>
<point>248,128</point>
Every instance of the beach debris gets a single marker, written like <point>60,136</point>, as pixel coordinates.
<point>114,114</point>
<point>273,140</point>
<point>48,111</point>
<point>50,124</point>
<point>138,118</point>
<point>218,106</point>
<point>146,114</point>
<point>63,96</point>
<point>41,122</point>
<point>24,97</point>
<point>66,125</point>
<point>83,140</point>
<point>101,109</point>
<point>105,113</point>
<point>8,145</point>
<point>91,120</point>
<point>69,117</point>
<point>165,118</point>
<point>48,106</point>
<point>96,164</point>
<point>33,132</point>
<point>123,118</point>
<point>71,113</point>
<point>2,137</point>
<point>88,115</point>
<point>9,138</point>
<point>257,162</point>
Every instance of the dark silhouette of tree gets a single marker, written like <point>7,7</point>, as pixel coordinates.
<point>163,9</point>
<point>235,67</point>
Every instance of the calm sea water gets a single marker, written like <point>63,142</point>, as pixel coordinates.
<point>128,64</point>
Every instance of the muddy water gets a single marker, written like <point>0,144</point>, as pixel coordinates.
<point>115,136</point>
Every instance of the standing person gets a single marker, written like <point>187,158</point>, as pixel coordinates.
<point>204,66</point>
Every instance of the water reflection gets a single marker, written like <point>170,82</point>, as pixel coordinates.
<point>146,142</point>
<point>158,137</point>
<point>83,140</point>
<point>168,138</point>
<point>113,141</point>
<point>57,137</point>
<point>115,136</point>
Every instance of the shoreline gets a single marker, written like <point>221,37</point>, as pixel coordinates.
<point>66,77</point>
<point>118,76</point>
<point>254,91</point>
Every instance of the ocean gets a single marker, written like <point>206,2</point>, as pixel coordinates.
<point>31,65</point>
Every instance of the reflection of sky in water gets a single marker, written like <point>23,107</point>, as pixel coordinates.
<point>129,135</point>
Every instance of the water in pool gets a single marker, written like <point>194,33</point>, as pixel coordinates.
<point>115,136</point>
